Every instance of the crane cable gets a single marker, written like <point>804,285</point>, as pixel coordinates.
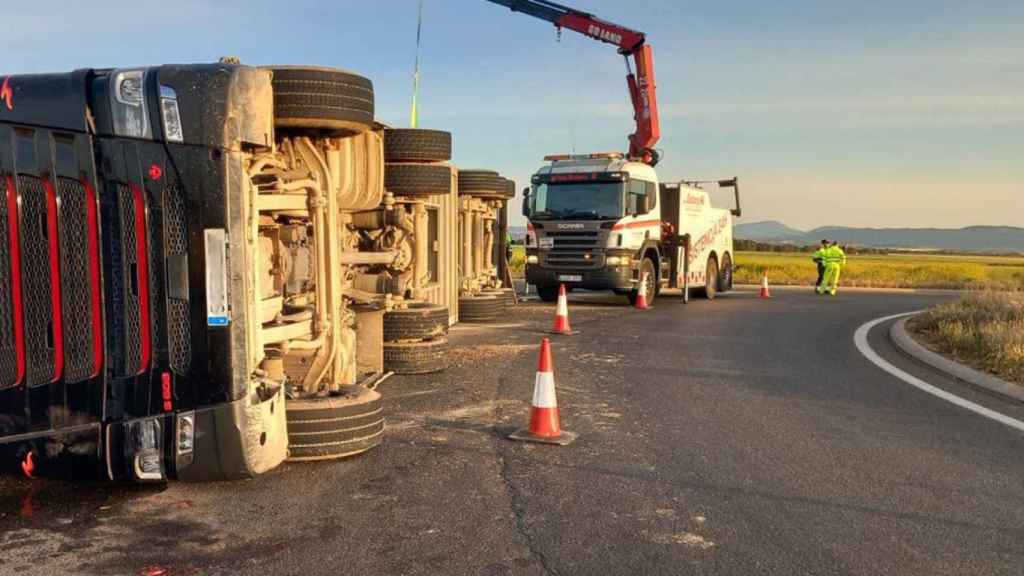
<point>414,114</point>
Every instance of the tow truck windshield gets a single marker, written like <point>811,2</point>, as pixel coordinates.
<point>577,201</point>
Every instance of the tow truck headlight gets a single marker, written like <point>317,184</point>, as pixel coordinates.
<point>619,260</point>
<point>532,259</point>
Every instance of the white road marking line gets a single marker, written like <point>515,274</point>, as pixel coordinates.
<point>860,339</point>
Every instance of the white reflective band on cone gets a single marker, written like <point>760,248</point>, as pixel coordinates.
<point>563,308</point>
<point>544,391</point>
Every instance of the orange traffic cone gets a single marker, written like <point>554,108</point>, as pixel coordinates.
<point>562,314</point>
<point>545,425</point>
<point>765,293</point>
<point>641,295</point>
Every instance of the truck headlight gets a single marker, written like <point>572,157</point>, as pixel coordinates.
<point>619,260</point>
<point>532,259</point>
<point>186,433</point>
<point>128,104</point>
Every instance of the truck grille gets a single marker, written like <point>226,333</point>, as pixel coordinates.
<point>179,320</point>
<point>123,289</point>
<point>76,281</point>
<point>35,277</point>
<point>8,349</point>
<point>576,250</point>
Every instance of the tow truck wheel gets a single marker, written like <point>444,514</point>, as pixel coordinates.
<point>415,145</point>
<point>711,280</point>
<point>725,275</point>
<point>330,427</point>
<point>647,268</point>
<point>548,293</point>
<point>322,99</point>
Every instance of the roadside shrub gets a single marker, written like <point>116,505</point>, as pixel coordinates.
<point>985,330</point>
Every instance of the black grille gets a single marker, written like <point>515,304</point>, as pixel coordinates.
<point>128,311</point>
<point>35,276</point>
<point>76,281</point>
<point>8,350</point>
<point>179,320</point>
<point>577,250</point>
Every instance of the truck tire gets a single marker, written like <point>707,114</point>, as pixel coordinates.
<point>547,293</point>
<point>424,357</point>
<point>420,321</point>
<point>503,294</point>
<point>508,190</point>
<point>417,179</point>
<point>711,280</point>
<point>648,267</point>
<point>481,308</point>
<point>725,274</point>
<point>414,145</point>
<point>322,99</point>
<point>334,426</point>
<point>484,183</point>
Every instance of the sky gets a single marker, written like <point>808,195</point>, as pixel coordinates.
<point>867,113</point>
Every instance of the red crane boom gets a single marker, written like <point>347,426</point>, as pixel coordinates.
<point>631,44</point>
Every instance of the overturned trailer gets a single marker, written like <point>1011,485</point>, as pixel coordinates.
<point>192,264</point>
<point>483,197</point>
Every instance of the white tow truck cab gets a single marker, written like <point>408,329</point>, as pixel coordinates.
<point>603,222</point>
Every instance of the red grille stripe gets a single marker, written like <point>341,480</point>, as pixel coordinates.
<point>142,271</point>
<point>94,277</point>
<point>53,237</point>
<point>15,243</point>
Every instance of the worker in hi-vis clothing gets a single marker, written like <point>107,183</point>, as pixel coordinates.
<point>835,259</point>
<point>819,260</point>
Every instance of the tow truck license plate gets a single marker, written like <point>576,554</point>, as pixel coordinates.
<point>546,242</point>
<point>570,278</point>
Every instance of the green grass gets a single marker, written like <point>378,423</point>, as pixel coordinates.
<point>518,263</point>
<point>985,330</point>
<point>888,271</point>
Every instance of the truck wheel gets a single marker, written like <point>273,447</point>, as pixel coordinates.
<point>725,275</point>
<point>334,426</point>
<point>481,308</point>
<point>414,145</point>
<point>480,183</point>
<point>322,98</point>
<point>503,294</point>
<point>548,293</point>
<point>647,267</point>
<point>420,321</point>
<point>424,357</point>
<point>417,179</point>
<point>508,188</point>
<point>711,280</point>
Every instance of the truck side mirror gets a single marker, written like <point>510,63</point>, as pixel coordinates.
<point>526,202</point>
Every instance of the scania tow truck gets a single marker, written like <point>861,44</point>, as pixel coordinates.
<point>603,222</point>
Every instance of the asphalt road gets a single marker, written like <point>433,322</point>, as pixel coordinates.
<point>739,436</point>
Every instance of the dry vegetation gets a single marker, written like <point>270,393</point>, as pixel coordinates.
<point>889,270</point>
<point>985,330</point>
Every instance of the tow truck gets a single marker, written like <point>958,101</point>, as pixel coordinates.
<point>604,221</point>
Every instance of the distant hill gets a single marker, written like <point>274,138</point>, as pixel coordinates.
<point>766,230</point>
<point>970,239</point>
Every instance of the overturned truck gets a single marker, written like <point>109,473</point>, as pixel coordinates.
<point>196,262</point>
